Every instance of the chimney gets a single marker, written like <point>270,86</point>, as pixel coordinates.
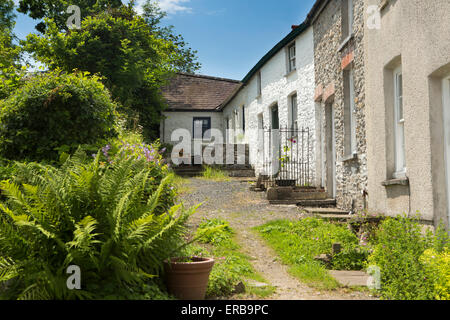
<point>294,26</point>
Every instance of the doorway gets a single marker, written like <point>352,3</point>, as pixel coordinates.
<point>330,151</point>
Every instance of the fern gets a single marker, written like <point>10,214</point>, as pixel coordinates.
<point>118,224</point>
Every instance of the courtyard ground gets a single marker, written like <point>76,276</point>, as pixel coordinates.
<point>243,209</point>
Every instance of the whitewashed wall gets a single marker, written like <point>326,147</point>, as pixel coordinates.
<point>277,87</point>
<point>184,120</point>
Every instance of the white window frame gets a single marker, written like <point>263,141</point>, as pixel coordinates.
<point>258,84</point>
<point>352,149</point>
<point>446,116</point>
<point>399,126</point>
<point>291,59</point>
<point>353,145</point>
<point>350,17</point>
<point>294,113</point>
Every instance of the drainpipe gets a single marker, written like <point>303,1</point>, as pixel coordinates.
<point>365,195</point>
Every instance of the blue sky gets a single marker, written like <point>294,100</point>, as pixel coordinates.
<point>230,36</point>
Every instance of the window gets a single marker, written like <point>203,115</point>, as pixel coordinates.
<point>275,119</point>
<point>350,146</point>
<point>294,113</point>
<point>291,58</point>
<point>399,126</point>
<point>347,18</point>
<point>258,84</point>
<point>243,119</point>
<point>201,128</point>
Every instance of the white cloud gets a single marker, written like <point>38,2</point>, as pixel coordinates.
<point>169,6</point>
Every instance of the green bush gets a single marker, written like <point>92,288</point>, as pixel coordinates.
<point>437,266</point>
<point>221,231</point>
<point>398,248</point>
<point>106,220</point>
<point>54,113</point>
<point>353,258</point>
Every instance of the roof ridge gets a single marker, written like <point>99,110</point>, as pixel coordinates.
<point>207,77</point>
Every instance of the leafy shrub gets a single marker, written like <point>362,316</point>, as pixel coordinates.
<point>221,232</point>
<point>55,113</point>
<point>353,258</point>
<point>437,266</point>
<point>106,220</point>
<point>400,243</point>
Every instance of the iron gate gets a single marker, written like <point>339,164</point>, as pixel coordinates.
<point>286,157</point>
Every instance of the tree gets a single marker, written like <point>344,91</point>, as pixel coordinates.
<point>7,15</point>
<point>10,69</point>
<point>122,47</point>
<point>56,10</point>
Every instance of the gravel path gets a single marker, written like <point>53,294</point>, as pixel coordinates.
<point>245,209</point>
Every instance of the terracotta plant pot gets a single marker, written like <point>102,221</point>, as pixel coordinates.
<point>188,280</point>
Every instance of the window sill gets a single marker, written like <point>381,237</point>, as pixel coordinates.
<point>290,73</point>
<point>345,42</point>
<point>348,158</point>
<point>396,182</point>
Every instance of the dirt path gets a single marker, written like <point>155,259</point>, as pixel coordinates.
<point>244,209</point>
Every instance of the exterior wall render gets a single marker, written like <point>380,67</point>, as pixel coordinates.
<point>415,35</point>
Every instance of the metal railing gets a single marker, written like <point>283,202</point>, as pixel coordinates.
<point>286,157</point>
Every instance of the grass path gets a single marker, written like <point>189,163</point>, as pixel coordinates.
<point>232,201</point>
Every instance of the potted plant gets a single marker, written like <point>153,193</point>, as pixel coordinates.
<point>187,277</point>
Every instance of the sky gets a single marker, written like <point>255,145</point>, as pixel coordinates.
<point>230,36</point>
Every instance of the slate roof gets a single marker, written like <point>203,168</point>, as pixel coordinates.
<point>189,92</point>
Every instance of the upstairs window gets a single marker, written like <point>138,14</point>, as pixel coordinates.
<point>347,18</point>
<point>258,84</point>
<point>291,58</point>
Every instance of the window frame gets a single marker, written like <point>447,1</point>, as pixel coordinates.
<point>291,59</point>
<point>293,112</point>
<point>348,15</point>
<point>399,126</point>
<point>208,119</point>
<point>258,84</point>
<point>350,147</point>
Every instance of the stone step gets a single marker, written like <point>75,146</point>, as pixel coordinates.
<point>306,203</point>
<point>325,211</point>
<point>351,278</point>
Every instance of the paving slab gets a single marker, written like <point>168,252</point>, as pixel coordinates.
<point>350,278</point>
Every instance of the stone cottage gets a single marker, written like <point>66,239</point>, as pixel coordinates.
<point>338,27</point>
<point>407,58</point>
<point>275,105</point>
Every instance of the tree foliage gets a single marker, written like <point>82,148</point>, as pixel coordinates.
<point>53,113</point>
<point>10,69</point>
<point>57,10</point>
<point>134,57</point>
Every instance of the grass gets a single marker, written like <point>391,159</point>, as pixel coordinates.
<point>232,266</point>
<point>297,243</point>
<point>214,174</point>
<point>182,184</point>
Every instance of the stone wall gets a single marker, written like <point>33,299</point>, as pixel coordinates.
<point>332,54</point>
